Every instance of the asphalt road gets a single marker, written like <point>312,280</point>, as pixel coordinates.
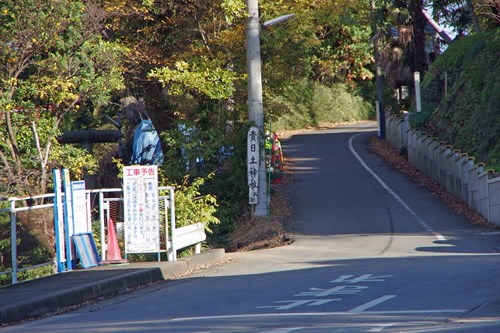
<point>373,252</point>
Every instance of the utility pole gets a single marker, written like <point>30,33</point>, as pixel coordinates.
<point>255,104</point>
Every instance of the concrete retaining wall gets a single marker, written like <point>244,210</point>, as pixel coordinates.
<point>456,171</point>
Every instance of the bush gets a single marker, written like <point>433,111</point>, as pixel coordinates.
<point>336,104</point>
<point>192,207</point>
<point>33,246</point>
<point>230,187</point>
<point>314,104</point>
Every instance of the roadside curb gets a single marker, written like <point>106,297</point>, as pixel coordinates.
<point>38,297</point>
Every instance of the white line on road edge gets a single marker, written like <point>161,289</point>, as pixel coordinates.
<point>381,327</point>
<point>285,330</point>
<point>417,218</point>
<point>371,304</point>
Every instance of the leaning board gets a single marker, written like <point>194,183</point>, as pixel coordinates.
<point>86,249</point>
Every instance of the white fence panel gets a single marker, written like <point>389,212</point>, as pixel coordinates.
<point>494,200</point>
<point>190,235</point>
<point>455,171</point>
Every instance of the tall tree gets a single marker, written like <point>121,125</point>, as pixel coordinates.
<point>467,16</point>
<point>53,62</point>
<point>378,67</point>
<point>418,22</point>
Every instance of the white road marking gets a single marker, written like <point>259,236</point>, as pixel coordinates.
<point>297,303</point>
<point>339,290</point>
<point>382,327</point>
<point>314,314</point>
<point>417,218</point>
<point>410,312</point>
<point>371,304</point>
<point>285,330</point>
<point>362,278</point>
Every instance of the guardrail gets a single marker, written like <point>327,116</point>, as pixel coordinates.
<point>467,180</point>
<point>175,238</point>
<point>12,211</point>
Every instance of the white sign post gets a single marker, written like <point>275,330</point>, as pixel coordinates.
<point>418,102</point>
<point>142,223</point>
<point>59,222</point>
<point>79,203</point>
<point>253,162</point>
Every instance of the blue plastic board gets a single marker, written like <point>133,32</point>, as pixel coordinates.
<point>86,249</point>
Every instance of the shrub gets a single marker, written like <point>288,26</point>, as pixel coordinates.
<point>315,104</point>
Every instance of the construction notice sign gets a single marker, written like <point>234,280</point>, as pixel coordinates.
<point>140,194</point>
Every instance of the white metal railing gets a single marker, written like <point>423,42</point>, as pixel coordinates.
<point>12,210</point>
<point>175,238</point>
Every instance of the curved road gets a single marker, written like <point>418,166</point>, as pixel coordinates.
<point>373,252</point>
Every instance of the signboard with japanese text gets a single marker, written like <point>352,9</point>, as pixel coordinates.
<point>142,223</point>
<point>79,204</point>
<point>253,154</point>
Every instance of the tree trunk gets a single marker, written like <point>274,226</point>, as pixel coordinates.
<point>419,21</point>
<point>378,70</point>
<point>12,138</point>
<point>473,16</point>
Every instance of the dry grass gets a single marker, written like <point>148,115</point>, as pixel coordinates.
<point>263,232</point>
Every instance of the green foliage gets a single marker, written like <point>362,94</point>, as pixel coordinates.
<point>192,150</point>
<point>225,155</point>
<point>458,14</point>
<point>337,104</point>
<point>5,240</point>
<point>293,108</point>
<point>467,117</point>
<point>32,246</point>
<point>327,42</point>
<point>35,273</point>
<point>30,274</point>
<point>201,76</point>
<point>193,207</point>
<point>230,187</point>
<point>233,9</point>
<point>96,233</point>
<point>53,61</point>
<point>77,160</point>
<point>312,104</point>
<point>195,51</point>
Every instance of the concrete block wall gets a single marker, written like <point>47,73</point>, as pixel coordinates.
<point>456,171</point>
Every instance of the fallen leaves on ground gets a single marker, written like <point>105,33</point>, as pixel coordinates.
<point>263,232</point>
<point>400,162</point>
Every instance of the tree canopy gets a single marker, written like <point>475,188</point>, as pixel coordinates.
<point>53,63</point>
<point>66,65</point>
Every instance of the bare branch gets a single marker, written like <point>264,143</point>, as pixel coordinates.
<point>37,143</point>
